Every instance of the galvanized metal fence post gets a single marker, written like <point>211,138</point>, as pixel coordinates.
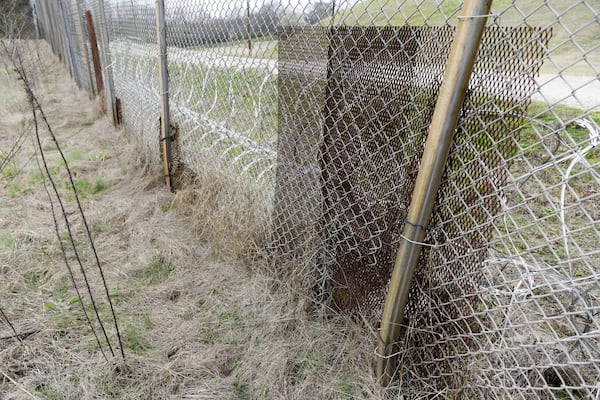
<point>165,123</point>
<point>36,22</point>
<point>105,57</point>
<point>56,20</point>
<point>248,27</point>
<point>458,71</point>
<point>70,46</point>
<point>80,18</point>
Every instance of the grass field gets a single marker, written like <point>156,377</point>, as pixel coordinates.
<point>263,47</point>
<point>573,47</point>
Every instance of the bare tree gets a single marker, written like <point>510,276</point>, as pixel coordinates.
<point>265,20</point>
<point>320,10</point>
<point>16,19</point>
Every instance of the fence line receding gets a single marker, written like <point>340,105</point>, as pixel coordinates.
<point>318,112</point>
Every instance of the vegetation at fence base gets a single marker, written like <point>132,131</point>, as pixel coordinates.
<point>225,210</point>
<point>193,323</point>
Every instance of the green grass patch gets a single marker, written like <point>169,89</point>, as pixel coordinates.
<point>15,188</point>
<point>75,155</point>
<point>99,156</point>
<point>99,186</point>
<point>34,278</point>
<point>241,390</point>
<point>261,47</point>
<point>244,101</point>
<point>50,393</point>
<point>556,128</point>
<point>6,240</point>
<point>64,315</point>
<point>134,339</point>
<point>157,270</point>
<point>10,170</point>
<point>345,389</point>
<point>574,36</point>
<point>166,207</point>
<point>97,226</point>
<point>147,321</point>
<point>84,187</point>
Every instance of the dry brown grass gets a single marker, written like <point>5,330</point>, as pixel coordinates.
<point>201,319</point>
<point>222,211</point>
<point>100,106</point>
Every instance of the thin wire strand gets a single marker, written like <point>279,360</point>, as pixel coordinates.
<point>432,245</point>
<point>91,242</point>
<point>475,16</point>
<point>18,64</point>
<point>16,335</point>
<point>66,260</point>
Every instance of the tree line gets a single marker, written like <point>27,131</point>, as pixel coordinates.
<point>16,19</point>
<point>192,25</point>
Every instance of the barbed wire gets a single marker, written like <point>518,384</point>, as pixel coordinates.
<point>16,335</point>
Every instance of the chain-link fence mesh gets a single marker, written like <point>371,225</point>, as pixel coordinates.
<point>318,111</point>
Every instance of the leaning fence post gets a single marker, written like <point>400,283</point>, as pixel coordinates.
<point>459,67</point>
<point>95,54</point>
<point>165,123</point>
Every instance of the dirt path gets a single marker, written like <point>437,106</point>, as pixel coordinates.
<point>574,91</point>
<point>193,325</point>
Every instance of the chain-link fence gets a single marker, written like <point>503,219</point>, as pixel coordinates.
<point>318,113</point>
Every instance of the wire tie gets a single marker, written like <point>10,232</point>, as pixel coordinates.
<point>475,16</point>
<point>419,243</point>
<point>406,221</point>
<point>386,345</point>
<point>386,357</point>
